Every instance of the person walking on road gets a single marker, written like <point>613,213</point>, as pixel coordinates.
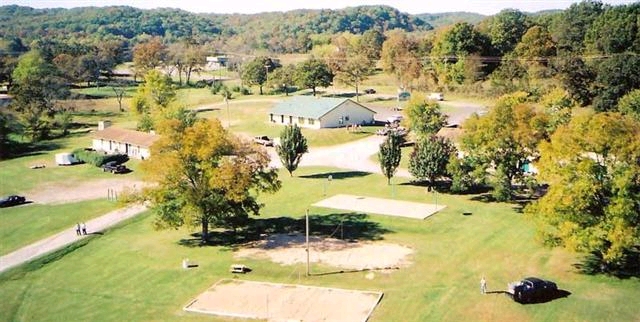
<point>78,229</point>
<point>84,229</point>
<point>483,286</point>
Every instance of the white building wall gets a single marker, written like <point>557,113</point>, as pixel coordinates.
<point>287,120</point>
<point>347,113</point>
<point>111,147</point>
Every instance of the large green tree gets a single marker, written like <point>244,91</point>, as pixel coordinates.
<point>389,155</point>
<point>256,71</point>
<point>506,29</point>
<point>424,116</point>
<point>313,73</point>
<point>506,137</point>
<point>153,99</point>
<point>430,157</point>
<point>36,88</point>
<point>291,148</point>
<point>205,176</point>
<point>593,201</point>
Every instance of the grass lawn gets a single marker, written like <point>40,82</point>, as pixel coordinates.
<point>17,176</point>
<point>133,272</point>
<point>29,223</point>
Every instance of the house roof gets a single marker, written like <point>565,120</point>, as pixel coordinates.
<point>127,136</point>
<point>310,107</point>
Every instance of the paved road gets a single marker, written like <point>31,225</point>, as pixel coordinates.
<point>66,237</point>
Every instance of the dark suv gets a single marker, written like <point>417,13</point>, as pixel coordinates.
<point>533,289</point>
<point>114,167</point>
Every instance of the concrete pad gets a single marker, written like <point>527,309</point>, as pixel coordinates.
<point>284,302</point>
<point>389,207</point>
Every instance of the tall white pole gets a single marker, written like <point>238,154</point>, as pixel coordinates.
<point>307,236</point>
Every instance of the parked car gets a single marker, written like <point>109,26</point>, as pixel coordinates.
<point>395,118</point>
<point>369,91</point>
<point>436,96</point>
<point>114,167</point>
<point>532,289</point>
<point>263,140</point>
<point>12,200</point>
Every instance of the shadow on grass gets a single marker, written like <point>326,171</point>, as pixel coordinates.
<point>346,226</point>
<point>628,267</point>
<point>337,175</point>
<point>557,294</point>
<point>17,150</point>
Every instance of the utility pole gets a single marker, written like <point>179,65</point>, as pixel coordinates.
<point>307,236</point>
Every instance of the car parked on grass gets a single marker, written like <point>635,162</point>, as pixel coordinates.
<point>12,200</point>
<point>263,140</point>
<point>532,289</point>
<point>114,167</point>
<point>369,91</point>
<point>436,96</point>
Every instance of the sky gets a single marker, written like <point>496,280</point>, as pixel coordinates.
<point>486,7</point>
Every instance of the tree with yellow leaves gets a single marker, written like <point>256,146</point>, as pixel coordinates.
<point>205,176</point>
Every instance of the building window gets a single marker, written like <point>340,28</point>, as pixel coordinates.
<point>311,121</point>
<point>346,118</point>
<point>300,120</point>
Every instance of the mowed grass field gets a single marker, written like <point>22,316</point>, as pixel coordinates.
<point>134,273</point>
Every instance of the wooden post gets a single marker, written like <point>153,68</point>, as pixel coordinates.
<point>307,236</point>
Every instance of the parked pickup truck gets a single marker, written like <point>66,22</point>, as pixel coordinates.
<point>532,289</point>
<point>263,140</point>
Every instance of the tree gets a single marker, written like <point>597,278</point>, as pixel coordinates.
<point>398,58</point>
<point>283,77</point>
<point>153,98</point>
<point>591,166</point>
<point>37,86</point>
<point>536,48</point>
<point>506,137</point>
<point>464,173</point>
<point>313,73</point>
<point>573,24</point>
<point>205,177</point>
<point>291,148</point>
<point>7,126</point>
<point>577,78</point>
<point>389,155</point>
<point>430,157</point>
<point>255,72</point>
<point>630,104</point>
<point>424,116</point>
<point>350,62</point>
<point>148,55</point>
<point>506,29</point>
<point>616,76</point>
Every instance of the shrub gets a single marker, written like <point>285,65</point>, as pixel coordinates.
<point>98,158</point>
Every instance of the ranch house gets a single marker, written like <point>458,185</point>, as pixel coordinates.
<point>112,140</point>
<point>316,113</point>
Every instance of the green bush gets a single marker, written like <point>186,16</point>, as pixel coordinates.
<point>98,158</point>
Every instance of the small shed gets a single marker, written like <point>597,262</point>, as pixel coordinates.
<point>66,159</point>
<point>321,112</point>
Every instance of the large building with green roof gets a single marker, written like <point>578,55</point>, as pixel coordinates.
<point>320,112</point>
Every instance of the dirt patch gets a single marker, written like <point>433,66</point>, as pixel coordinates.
<point>93,189</point>
<point>291,249</point>
<point>284,302</point>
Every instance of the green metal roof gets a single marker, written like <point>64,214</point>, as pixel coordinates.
<point>309,106</point>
